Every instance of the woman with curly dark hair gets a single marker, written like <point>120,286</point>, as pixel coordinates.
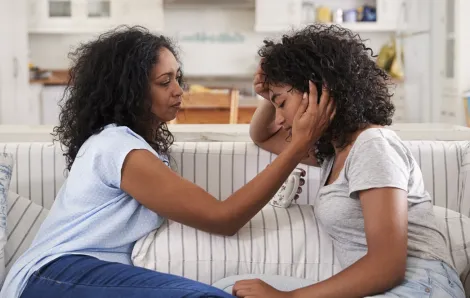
<point>124,87</point>
<point>372,201</point>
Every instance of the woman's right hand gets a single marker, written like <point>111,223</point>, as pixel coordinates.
<point>312,118</point>
<point>258,83</point>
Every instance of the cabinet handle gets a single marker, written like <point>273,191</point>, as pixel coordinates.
<point>443,113</point>
<point>452,114</point>
<point>15,67</point>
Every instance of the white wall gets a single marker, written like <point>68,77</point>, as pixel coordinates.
<point>236,58</point>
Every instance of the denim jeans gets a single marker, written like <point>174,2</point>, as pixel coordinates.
<point>78,276</point>
<point>427,279</point>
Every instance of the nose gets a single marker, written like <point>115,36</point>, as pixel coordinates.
<point>178,91</point>
<point>280,120</point>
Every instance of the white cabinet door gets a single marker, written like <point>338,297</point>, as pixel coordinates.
<point>50,100</point>
<point>14,72</point>
<point>93,16</point>
<point>416,15</point>
<point>277,15</point>
<point>147,13</point>
<point>445,98</point>
<point>53,16</point>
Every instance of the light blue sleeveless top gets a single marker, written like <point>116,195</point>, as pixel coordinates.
<point>91,214</point>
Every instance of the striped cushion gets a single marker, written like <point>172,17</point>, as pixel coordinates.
<point>6,168</point>
<point>39,171</point>
<point>456,228</point>
<point>24,220</point>
<point>223,167</point>
<point>276,241</point>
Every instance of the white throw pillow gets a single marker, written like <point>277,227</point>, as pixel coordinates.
<point>24,220</point>
<point>276,241</point>
<point>6,168</point>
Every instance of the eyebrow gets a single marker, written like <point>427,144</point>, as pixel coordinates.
<point>169,73</point>
<point>274,96</point>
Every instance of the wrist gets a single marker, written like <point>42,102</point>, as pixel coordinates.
<point>298,150</point>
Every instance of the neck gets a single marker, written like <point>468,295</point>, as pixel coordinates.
<point>354,136</point>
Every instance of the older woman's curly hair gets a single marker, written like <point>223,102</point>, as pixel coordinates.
<point>109,83</point>
<point>339,58</point>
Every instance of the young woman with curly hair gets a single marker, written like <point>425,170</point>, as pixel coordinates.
<point>372,200</point>
<point>124,87</point>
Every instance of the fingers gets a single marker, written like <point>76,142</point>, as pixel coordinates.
<point>303,106</point>
<point>302,173</point>
<point>325,98</point>
<point>302,182</point>
<point>299,190</point>
<point>332,116</point>
<point>312,97</point>
<point>259,70</point>
<point>258,82</point>
<point>331,110</point>
<point>243,288</point>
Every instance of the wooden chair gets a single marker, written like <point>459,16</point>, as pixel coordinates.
<point>214,107</point>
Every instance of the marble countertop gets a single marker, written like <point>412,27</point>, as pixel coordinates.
<point>240,132</point>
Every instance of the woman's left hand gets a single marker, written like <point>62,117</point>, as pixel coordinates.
<point>256,288</point>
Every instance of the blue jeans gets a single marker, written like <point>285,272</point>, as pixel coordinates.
<point>427,279</point>
<point>84,276</point>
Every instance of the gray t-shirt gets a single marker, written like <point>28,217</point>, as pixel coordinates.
<point>378,158</point>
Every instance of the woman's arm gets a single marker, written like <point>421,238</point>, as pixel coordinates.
<point>382,268</point>
<point>386,225</point>
<point>158,188</point>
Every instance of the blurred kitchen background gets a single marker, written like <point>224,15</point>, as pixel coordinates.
<point>423,44</point>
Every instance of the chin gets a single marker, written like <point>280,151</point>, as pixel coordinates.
<point>169,118</point>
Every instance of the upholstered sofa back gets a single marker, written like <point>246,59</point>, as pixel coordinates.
<point>223,167</point>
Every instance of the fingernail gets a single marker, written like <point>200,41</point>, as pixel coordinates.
<point>305,95</point>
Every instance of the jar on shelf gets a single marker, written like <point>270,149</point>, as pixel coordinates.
<point>323,14</point>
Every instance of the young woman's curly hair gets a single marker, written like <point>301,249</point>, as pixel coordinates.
<point>109,83</point>
<point>339,58</point>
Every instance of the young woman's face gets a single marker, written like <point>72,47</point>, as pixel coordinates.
<point>165,90</point>
<point>286,101</point>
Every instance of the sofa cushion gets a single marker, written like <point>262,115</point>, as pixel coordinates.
<point>24,220</point>
<point>6,168</point>
<point>276,241</point>
<point>456,228</point>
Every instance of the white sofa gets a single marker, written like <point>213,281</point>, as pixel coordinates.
<point>223,167</point>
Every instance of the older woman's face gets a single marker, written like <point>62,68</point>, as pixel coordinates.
<point>165,90</point>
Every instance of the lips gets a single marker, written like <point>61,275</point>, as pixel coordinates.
<point>177,105</point>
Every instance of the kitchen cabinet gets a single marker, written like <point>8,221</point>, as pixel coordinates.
<point>13,62</point>
<point>415,38</point>
<point>277,15</point>
<point>281,15</point>
<point>93,16</point>
<point>50,100</point>
<point>451,77</point>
